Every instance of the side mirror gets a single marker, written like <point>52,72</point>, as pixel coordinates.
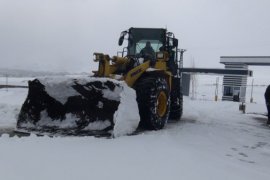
<point>121,39</point>
<point>170,34</point>
<point>175,42</point>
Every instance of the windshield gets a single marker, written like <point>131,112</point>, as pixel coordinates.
<point>155,44</point>
<point>139,36</point>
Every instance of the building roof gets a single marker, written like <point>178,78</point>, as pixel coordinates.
<point>234,72</point>
<point>248,60</point>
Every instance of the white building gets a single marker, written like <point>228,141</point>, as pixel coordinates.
<point>234,86</point>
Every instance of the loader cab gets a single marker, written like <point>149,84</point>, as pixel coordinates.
<point>138,37</point>
<point>160,40</point>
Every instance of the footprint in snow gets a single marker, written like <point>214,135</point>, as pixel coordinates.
<point>259,145</point>
<point>243,154</point>
<point>246,161</point>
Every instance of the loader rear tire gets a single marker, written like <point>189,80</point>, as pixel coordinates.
<point>176,110</point>
<point>153,101</point>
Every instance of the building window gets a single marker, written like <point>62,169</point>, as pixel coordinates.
<point>228,91</point>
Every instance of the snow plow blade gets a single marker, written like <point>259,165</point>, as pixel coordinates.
<point>82,106</point>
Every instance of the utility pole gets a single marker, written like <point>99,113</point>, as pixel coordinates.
<point>251,96</point>
<point>193,81</point>
<point>216,91</point>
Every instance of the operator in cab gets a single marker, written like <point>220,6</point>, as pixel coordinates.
<point>148,53</point>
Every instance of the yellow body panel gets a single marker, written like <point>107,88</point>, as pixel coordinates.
<point>109,66</point>
<point>161,65</point>
<point>133,75</point>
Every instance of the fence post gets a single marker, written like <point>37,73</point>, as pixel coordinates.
<point>6,82</point>
<point>216,90</point>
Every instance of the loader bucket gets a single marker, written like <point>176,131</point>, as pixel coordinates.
<point>81,106</point>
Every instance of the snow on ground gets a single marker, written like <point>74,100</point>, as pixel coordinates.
<point>213,141</point>
<point>19,81</point>
<point>10,104</point>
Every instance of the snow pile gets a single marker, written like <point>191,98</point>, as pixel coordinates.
<point>59,87</point>
<point>125,119</point>
<point>97,125</point>
<point>69,122</point>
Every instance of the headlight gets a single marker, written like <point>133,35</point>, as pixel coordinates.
<point>160,55</point>
<point>98,56</point>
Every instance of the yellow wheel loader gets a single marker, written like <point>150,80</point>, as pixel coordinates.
<point>149,65</point>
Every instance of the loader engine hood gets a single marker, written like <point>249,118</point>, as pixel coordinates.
<point>82,105</point>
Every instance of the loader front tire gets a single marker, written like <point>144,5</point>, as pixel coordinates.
<point>153,101</point>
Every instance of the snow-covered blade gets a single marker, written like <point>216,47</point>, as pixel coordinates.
<point>85,105</point>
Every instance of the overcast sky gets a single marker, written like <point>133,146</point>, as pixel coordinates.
<point>61,35</point>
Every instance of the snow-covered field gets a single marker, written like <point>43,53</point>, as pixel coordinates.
<point>213,141</point>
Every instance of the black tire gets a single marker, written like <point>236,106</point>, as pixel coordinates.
<point>176,110</point>
<point>153,97</point>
